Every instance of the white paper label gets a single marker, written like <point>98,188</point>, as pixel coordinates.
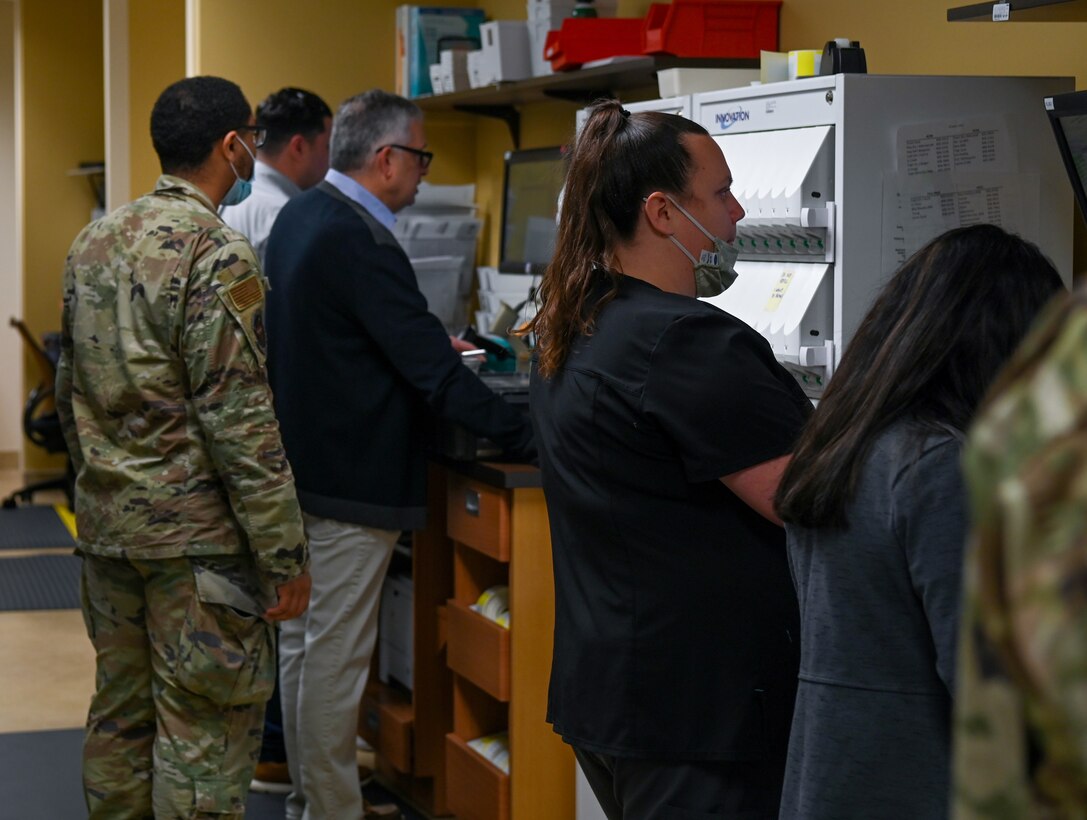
<point>1001,12</point>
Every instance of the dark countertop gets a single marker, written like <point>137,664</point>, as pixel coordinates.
<point>507,476</point>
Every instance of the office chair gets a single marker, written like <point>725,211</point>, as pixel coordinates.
<point>41,423</point>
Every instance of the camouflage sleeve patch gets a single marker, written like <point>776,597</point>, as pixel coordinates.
<point>245,293</point>
<point>243,299</point>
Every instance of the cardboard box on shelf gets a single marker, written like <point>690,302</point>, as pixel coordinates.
<point>676,82</point>
<point>505,50</point>
<point>537,39</point>
<point>476,78</point>
<point>436,79</point>
<point>453,71</point>
<point>420,31</point>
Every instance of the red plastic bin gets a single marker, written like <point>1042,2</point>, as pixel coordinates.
<point>584,39</point>
<point>712,28</point>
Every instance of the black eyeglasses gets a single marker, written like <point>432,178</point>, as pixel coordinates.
<point>424,156</point>
<point>260,133</point>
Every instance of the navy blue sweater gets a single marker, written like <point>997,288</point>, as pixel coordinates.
<point>358,364</point>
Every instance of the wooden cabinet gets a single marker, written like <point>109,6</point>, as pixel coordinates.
<point>479,650</point>
<point>500,535</point>
<point>407,730</point>
<point>487,525</point>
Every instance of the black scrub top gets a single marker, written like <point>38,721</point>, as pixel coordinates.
<point>676,625</point>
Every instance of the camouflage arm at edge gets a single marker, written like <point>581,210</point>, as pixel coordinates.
<point>63,384</point>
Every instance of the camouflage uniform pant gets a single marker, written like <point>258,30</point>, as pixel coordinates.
<point>184,668</point>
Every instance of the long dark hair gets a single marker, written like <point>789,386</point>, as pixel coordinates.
<point>927,350</point>
<point>617,159</point>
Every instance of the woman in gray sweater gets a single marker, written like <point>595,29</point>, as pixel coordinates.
<point>876,519</point>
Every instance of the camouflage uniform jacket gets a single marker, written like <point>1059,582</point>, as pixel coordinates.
<point>1021,708</point>
<point>163,393</point>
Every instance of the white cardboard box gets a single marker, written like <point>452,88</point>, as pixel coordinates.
<point>453,69</point>
<point>550,13</point>
<point>537,39</point>
<point>553,11</point>
<point>475,75</point>
<point>436,84</point>
<point>395,625</point>
<point>516,283</point>
<point>505,50</point>
<point>676,82</point>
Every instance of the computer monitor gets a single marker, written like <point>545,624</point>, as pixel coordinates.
<point>1068,115</point>
<point>530,199</point>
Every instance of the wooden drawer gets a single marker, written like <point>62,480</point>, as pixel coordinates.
<point>478,516</point>
<point>479,650</point>
<point>476,788</point>
<point>386,722</point>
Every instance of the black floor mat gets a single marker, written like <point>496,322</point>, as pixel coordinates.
<point>40,775</point>
<point>39,582</point>
<point>40,780</point>
<point>32,527</point>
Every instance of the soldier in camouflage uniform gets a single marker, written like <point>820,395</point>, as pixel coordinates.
<point>189,527</point>
<point>1021,710</point>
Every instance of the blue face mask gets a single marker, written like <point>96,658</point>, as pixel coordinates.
<point>714,272</point>
<point>242,188</point>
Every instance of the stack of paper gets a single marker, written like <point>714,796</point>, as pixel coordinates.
<point>439,233</point>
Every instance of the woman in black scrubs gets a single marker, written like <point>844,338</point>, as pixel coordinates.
<point>664,425</point>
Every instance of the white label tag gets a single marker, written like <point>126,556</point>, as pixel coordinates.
<point>1048,103</point>
<point>1001,12</point>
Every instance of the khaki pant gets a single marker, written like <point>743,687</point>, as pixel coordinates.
<point>324,661</point>
<point>184,668</point>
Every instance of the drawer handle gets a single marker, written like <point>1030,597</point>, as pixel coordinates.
<point>471,502</point>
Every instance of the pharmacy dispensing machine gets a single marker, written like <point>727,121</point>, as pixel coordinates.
<point>843,177</point>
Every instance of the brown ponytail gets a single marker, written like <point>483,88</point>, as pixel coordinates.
<point>617,159</point>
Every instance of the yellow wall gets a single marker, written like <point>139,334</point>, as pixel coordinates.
<point>355,44</point>
<point>11,301</point>
<point>340,47</point>
<point>336,48</point>
<point>156,58</point>
<point>916,38</point>
<point>63,125</point>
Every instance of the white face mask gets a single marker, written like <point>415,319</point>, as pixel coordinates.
<point>714,271</point>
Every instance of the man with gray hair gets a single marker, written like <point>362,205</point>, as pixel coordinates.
<point>358,365</point>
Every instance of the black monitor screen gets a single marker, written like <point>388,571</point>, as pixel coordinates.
<point>529,204</point>
<point>1068,114</point>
